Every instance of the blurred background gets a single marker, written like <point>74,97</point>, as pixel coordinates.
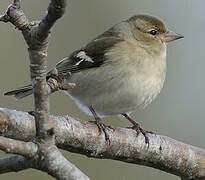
<point>178,111</point>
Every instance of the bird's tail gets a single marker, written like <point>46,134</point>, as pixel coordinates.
<point>21,92</point>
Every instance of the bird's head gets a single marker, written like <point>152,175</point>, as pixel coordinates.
<point>151,30</point>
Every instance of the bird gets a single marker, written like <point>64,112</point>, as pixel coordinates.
<point>120,71</point>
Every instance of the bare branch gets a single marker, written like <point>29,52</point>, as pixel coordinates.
<point>57,165</point>
<point>15,15</point>
<point>14,164</point>
<point>83,137</point>
<point>27,149</point>
<point>55,11</point>
<point>36,37</point>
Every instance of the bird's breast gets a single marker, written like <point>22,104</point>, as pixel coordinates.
<point>128,81</point>
<point>148,80</point>
<point>144,72</point>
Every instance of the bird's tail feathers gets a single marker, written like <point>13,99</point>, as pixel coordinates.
<point>21,92</point>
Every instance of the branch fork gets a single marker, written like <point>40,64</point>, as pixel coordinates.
<point>42,154</point>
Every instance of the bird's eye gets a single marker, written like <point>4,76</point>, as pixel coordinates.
<point>153,32</point>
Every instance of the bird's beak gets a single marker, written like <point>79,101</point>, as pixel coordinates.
<point>171,36</point>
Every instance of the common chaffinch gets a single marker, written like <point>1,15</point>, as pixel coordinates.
<point>120,71</point>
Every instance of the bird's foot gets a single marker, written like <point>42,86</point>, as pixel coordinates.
<point>137,127</point>
<point>103,129</point>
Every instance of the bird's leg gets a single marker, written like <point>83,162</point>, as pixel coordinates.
<point>137,127</point>
<point>102,127</point>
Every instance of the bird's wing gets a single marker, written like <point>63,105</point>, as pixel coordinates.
<point>91,56</point>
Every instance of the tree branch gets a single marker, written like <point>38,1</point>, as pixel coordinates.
<point>36,36</point>
<point>58,166</point>
<point>27,149</point>
<point>55,11</point>
<point>162,153</point>
<point>14,164</point>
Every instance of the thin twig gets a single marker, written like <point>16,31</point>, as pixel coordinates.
<point>55,11</point>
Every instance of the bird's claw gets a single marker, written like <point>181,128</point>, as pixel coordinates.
<point>139,130</point>
<point>102,129</point>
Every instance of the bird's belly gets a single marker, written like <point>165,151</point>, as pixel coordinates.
<point>111,95</point>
